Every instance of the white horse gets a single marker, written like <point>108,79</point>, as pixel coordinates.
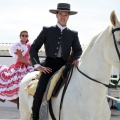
<point>84,99</point>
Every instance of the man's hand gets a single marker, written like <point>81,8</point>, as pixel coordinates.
<point>75,63</point>
<point>44,69</point>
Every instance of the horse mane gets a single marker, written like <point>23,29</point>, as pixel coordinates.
<point>92,42</point>
<point>88,48</point>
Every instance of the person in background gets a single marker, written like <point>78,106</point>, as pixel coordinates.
<point>58,40</point>
<point>10,77</point>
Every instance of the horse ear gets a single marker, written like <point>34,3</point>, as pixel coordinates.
<point>113,18</point>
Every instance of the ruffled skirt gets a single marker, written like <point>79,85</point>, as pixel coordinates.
<point>10,78</point>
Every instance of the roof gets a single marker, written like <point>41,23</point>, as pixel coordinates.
<point>5,46</point>
<point>4,49</point>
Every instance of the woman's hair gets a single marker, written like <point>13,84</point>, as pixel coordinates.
<point>23,31</point>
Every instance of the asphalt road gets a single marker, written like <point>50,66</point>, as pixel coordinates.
<point>8,113</point>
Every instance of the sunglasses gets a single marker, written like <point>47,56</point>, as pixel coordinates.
<point>24,35</point>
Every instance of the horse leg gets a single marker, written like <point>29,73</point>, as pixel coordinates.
<point>25,99</point>
<point>16,101</point>
<point>24,109</point>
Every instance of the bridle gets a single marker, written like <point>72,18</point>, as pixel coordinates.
<point>114,30</point>
<point>118,53</point>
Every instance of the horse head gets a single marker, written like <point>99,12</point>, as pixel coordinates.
<point>112,50</point>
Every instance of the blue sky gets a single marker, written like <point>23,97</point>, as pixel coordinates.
<point>31,15</point>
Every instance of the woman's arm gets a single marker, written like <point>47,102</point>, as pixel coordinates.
<point>21,58</point>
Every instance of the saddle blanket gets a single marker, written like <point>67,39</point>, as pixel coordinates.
<point>31,87</point>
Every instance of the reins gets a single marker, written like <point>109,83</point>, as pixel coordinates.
<point>68,78</point>
<point>65,88</point>
<point>91,78</point>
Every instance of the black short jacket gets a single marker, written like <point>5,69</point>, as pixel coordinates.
<point>52,38</point>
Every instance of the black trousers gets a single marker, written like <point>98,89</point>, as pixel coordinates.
<point>55,64</point>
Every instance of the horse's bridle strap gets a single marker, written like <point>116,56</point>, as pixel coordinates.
<point>114,30</point>
<point>92,78</point>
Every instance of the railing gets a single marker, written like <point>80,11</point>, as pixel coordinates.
<point>7,60</point>
<point>11,56</point>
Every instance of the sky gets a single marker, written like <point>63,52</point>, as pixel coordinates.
<point>31,15</point>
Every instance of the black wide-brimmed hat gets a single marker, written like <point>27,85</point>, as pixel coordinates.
<point>63,7</point>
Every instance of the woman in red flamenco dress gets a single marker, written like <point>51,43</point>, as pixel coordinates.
<point>10,77</point>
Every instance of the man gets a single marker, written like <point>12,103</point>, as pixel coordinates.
<point>58,41</point>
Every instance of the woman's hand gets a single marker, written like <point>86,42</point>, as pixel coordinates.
<point>44,69</point>
<point>22,59</point>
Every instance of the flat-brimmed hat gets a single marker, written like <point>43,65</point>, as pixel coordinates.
<point>63,7</point>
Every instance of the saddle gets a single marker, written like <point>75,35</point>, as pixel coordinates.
<point>55,83</point>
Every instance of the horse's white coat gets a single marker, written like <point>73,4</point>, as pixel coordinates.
<point>84,99</point>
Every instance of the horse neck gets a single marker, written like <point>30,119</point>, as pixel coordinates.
<point>93,62</point>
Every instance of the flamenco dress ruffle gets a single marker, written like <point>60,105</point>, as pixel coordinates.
<point>10,77</point>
